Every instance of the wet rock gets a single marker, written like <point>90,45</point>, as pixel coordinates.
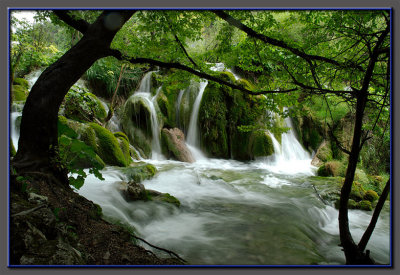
<point>176,148</point>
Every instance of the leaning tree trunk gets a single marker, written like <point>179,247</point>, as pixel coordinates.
<point>38,142</point>
<point>354,253</point>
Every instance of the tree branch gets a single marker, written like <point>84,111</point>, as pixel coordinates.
<point>117,54</point>
<point>275,42</point>
<point>78,24</point>
<point>367,234</point>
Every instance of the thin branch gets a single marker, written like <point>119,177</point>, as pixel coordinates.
<point>160,248</point>
<point>275,42</point>
<point>334,138</point>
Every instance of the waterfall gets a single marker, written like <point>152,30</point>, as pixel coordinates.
<point>144,92</point>
<point>178,107</point>
<point>289,157</point>
<point>193,134</point>
<point>14,129</point>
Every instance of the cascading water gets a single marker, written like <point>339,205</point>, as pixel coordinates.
<point>193,133</point>
<point>144,93</point>
<point>178,107</point>
<point>193,136</point>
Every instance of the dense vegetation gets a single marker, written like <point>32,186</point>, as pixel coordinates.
<point>327,70</point>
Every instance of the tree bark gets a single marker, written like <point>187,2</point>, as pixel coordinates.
<point>38,142</point>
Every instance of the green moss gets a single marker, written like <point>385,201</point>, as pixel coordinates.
<point>324,152</point>
<point>12,149</point>
<point>170,199</point>
<point>139,172</point>
<point>361,176</point>
<point>331,169</point>
<point>365,205</point>
<point>245,84</point>
<point>21,81</point>
<point>107,146</point>
<point>81,105</point>
<point>164,197</point>
<point>121,135</point>
<point>124,145</point>
<point>357,192</point>
<point>371,196</point>
<point>227,76</point>
<point>261,144</point>
<point>352,204</point>
<point>213,122</point>
<point>19,93</point>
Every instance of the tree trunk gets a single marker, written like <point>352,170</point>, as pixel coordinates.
<point>38,142</point>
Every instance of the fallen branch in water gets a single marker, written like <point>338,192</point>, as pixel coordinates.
<point>160,248</point>
<point>319,196</point>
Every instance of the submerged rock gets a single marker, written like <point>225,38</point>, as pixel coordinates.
<point>175,146</point>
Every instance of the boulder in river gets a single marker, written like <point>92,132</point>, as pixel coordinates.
<point>175,146</point>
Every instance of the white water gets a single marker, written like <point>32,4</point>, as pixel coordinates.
<point>178,107</point>
<point>289,157</point>
<point>193,137</point>
<point>14,130</point>
<point>144,92</point>
<point>236,213</point>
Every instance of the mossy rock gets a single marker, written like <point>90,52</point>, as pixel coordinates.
<point>163,197</point>
<point>21,81</point>
<point>365,205</point>
<point>19,93</point>
<point>139,172</point>
<point>352,204</point>
<point>361,177</point>
<point>371,196</point>
<point>108,147</point>
<point>357,192</point>
<point>261,144</point>
<point>137,114</point>
<point>331,169</point>
<point>227,76</point>
<point>324,152</point>
<point>81,105</point>
<point>124,145</point>
<point>213,122</point>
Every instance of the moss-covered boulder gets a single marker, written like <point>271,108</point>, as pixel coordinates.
<point>81,105</point>
<point>213,122</point>
<point>75,152</point>
<point>371,196</point>
<point>153,195</point>
<point>331,169</point>
<point>357,192</point>
<point>261,144</point>
<point>139,171</point>
<point>310,130</point>
<point>21,81</point>
<point>365,205</point>
<point>174,146</point>
<point>19,93</point>
<point>323,154</point>
<point>107,146</point>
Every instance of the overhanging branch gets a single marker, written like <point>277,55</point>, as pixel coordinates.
<point>78,24</point>
<point>275,42</point>
<point>172,65</point>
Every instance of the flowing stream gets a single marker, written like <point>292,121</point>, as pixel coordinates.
<point>263,212</point>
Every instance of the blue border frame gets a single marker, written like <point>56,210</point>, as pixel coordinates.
<point>10,9</point>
